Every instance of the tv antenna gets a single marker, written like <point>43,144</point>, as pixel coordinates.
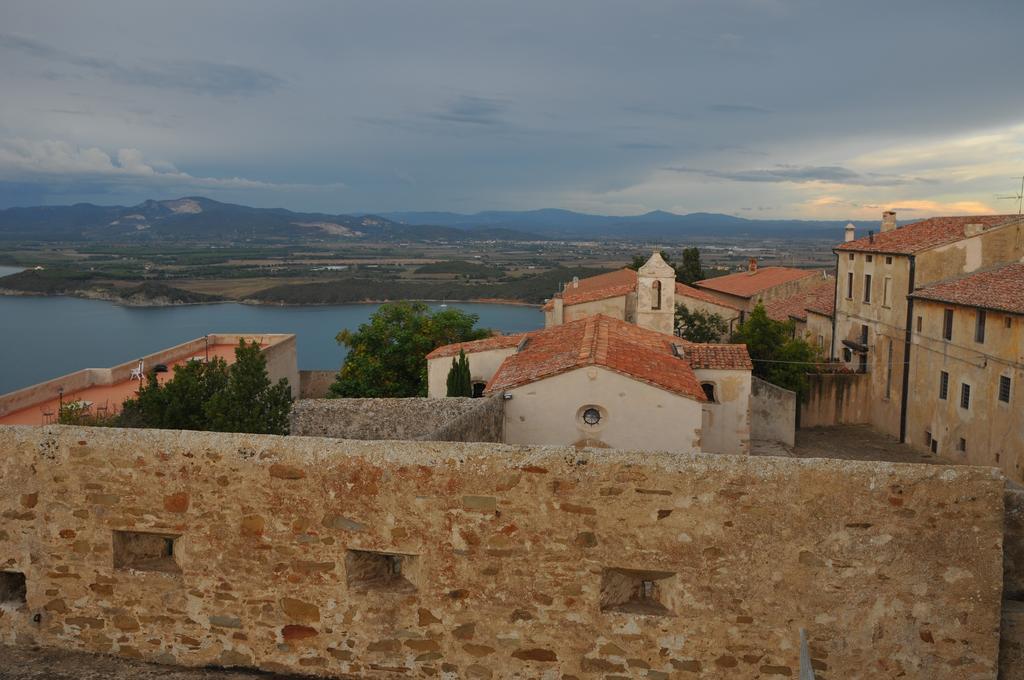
<point>1019,197</point>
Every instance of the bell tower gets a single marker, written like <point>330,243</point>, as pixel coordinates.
<point>656,295</point>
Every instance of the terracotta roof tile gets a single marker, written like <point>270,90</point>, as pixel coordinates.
<point>600,287</point>
<point>748,284</point>
<point>683,290</point>
<point>493,342</point>
<point>1000,288</point>
<point>919,236</point>
<point>620,346</point>
<point>819,299</point>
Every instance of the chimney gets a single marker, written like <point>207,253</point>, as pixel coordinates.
<point>888,221</point>
<point>871,236</point>
<point>973,229</point>
<point>752,265</point>
<point>851,232</point>
<point>575,282</point>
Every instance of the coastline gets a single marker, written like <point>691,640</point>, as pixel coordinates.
<point>167,302</point>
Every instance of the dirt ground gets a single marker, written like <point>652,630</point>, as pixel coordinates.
<point>51,664</point>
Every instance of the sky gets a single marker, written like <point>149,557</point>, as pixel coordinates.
<point>758,108</point>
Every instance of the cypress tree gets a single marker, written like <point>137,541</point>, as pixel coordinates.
<point>460,383</point>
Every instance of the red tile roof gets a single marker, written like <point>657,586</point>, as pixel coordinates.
<point>600,287</point>
<point>683,290</point>
<point>748,284</point>
<point>493,342</point>
<point>1000,288</point>
<point>819,299</point>
<point>919,236</point>
<point>619,346</point>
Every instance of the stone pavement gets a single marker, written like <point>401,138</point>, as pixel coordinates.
<point>848,442</point>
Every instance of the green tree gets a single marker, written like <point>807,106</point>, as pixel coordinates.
<point>640,260</point>
<point>249,402</point>
<point>700,326</point>
<point>690,270</point>
<point>387,355</point>
<point>179,403</point>
<point>214,396</point>
<point>460,381</point>
<point>778,356</point>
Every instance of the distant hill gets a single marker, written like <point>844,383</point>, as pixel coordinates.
<point>653,225</point>
<point>203,219</point>
<point>195,218</point>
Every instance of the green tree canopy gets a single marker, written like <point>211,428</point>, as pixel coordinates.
<point>778,356</point>
<point>688,270</point>
<point>387,355</point>
<point>700,326</point>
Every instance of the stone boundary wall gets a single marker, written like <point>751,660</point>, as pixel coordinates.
<point>836,399</point>
<point>395,559</point>
<point>443,419</point>
<point>314,384</point>
<point>772,412</point>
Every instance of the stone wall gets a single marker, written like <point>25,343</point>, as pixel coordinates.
<point>836,399</point>
<point>444,419</point>
<point>396,559</point>
<point>314,384</point>
<point>772,412</point>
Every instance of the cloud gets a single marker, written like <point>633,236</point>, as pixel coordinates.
<point>802,174</point>
<point>43,161</point>
<point>190,75</point>
<point>738,108</point>
<point>473,109</point>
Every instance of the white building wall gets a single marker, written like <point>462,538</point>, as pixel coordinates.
<point>635,415</point>
<point>726,425</point>
<point>482,365</point>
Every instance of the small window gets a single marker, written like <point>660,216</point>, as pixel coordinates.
<point>142,551</point>
<point>961,445</point>
<point>847,354</point>
<point>863,334</point>
<point>935,446</point>
<point>370,570</point>
<point>965,396</point>
<point>1008,322</point>
<point>1004,388</point>
<point>821,341</point>
<point>849,285</point>
<point>709,391</point>
<point>850,257</point>
<point>947,324</point>
<point>943,385</point>
<point>478,389</point>
<point>867,288</point>
<point>928,438</point>
<point>591,416</point>
<point>887,291</point>
<point>656,295</point>
<point>13,589</point>
<point>888,259</point>
<point>870,258</point>
<point>634,591</point>
<point>920,323</point>
<point>979,326</point>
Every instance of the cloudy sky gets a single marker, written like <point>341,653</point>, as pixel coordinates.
<point>759,108</point>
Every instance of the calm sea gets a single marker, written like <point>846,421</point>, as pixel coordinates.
<point>45,337</point>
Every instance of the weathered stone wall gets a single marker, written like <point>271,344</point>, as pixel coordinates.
<point>836,399</point>
<point>314,384</point>
<point>444,419</point>
<point>498,561</point>
<point>772,412</point>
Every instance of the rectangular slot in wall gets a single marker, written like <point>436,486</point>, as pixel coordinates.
<point>143,551</point>
<point>637,591</point>
<point>13,588</point>
<point>367,570</point>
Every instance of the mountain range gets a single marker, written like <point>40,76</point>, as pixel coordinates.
<point>198,218</point>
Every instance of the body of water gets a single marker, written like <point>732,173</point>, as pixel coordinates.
<point>45,337</point>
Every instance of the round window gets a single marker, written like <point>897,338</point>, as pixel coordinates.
<point>591,416</point>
